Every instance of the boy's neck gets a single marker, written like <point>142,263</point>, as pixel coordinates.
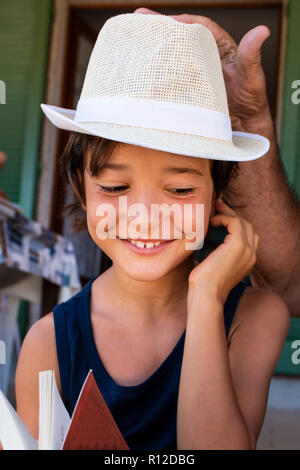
<point>153,301</point>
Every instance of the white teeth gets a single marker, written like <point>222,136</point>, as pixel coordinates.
<point>140,244</point>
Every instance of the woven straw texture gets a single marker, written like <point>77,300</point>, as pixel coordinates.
<point>159,59</point>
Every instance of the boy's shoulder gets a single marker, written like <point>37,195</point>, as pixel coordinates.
<point>261,308</point>
<point>38,351</point>
<point>77,297</point>
<point>42,332</point>
<point>44,328</point>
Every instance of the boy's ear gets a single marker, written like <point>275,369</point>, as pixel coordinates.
<point>214,199</point>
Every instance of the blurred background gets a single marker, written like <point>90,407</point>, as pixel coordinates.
<point>45,46</point>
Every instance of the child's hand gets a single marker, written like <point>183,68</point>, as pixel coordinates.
<point>229,262</point>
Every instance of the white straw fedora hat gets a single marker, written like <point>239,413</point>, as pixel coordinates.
<point>155,82</point>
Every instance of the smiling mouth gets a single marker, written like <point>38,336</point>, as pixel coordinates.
<point>145,243</point>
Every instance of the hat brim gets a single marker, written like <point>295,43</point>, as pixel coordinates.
<point>244,146</point>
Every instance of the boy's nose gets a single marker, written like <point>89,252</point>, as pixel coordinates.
<point>146,196</point>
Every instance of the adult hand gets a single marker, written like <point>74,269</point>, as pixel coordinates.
<point>260,193</point>
<point>243,74</point>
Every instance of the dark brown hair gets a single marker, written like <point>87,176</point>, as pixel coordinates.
<point>73,162</point>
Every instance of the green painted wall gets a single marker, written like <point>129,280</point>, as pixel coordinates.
<point>24,34</point>
<point>290,139</point>
<point>290,152</point>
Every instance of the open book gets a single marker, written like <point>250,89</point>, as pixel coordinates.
<point>91,426</point>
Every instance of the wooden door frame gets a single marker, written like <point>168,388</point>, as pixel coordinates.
<point>76,26</point>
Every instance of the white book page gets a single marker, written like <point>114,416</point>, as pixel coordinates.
<point>60,419</point>
<point>13,433</point>
<point>45,408</point>
<point>53,416</point>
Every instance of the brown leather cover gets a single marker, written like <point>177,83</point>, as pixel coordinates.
<point>93,426</point>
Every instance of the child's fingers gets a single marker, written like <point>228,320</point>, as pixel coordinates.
<point>256,241</point>
<point>250,234</point>
<point>222,207</point>
<point>240,229</point>
<point>232,223</point>
<point>252,237</point>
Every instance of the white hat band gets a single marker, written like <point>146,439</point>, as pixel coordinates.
<point>151,114</point>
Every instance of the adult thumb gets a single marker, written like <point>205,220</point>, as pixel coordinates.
<point>248,53</point>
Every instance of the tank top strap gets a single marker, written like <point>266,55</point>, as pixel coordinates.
<point>69,342</point>
<point>62,347</point>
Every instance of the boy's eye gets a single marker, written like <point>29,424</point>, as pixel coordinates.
<point>112,189</point>
<point>182,190</point>
<point>116,189</point>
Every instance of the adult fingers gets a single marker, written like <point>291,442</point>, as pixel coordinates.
<point>146,11</point>
<point>226,44</point>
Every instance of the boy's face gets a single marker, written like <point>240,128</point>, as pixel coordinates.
<point>148,177</point>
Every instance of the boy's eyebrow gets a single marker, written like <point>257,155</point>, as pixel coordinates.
<point>182,169</point>
<point>168,169</point>
<point>116,166</point>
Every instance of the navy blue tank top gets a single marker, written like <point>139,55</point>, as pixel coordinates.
<point>145,413</point>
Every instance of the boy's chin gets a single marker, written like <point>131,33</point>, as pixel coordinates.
<point>141,272</point>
